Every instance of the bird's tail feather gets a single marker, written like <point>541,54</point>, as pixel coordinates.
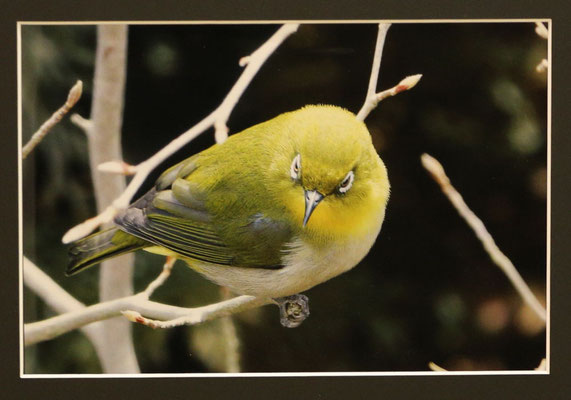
<point>100,246</point>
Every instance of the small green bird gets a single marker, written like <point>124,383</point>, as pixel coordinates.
<point>271,212</point>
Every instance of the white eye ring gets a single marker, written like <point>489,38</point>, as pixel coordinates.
<point>347,182</point>
<point>295,168</point>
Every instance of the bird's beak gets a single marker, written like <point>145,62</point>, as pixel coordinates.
<point>312,199</point>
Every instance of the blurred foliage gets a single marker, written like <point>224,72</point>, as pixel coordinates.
<point>426,292</point>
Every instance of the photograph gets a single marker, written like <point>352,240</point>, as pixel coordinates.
<point>284,198</point>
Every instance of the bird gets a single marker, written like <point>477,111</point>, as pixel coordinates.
<point>271,212</point>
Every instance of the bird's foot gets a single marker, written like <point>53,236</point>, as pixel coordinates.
<point>293,310</point>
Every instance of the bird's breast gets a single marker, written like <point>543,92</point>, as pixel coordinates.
<point>305,265</point>
<point>313,256</point>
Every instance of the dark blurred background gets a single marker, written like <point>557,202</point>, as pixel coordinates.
<point>427,291</point>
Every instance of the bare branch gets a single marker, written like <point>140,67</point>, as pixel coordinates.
<point>372,99</point>
<point>218,116</point>
<point>253,64</point>
<point>76,316</point>
<point>407,83</point>
<point>54,296</point>
<point>104,144</point>
<point>134,307</point>
<point>372,88</point>
<point>117,167</point>
<point>376,66</point>
<point>437,172</point>
<point>72,98</point>
<point>176,316</point>
<point>89,225</point>
<point>159,280</point>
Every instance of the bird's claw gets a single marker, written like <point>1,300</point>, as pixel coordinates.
<point>293,310</point>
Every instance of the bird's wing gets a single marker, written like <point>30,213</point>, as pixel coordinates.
<point>161,219</point>
<point>175,215</point>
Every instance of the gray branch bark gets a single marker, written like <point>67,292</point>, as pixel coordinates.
<point>117,352</point>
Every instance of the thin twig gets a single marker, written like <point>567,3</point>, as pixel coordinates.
<point>159,280</point>
<point>72,98</point>
<point>376,66</point>
<point>435,367</point>
<point>437,172</point>
<point>372,99</point>
<point>117,167</point>
<point>407,83</point>
<point>218,116</point>
<point>254,63</point>
<point>372,88</point>
<point>541,30</point>
<point>85,124</point>
<point>136,306</point>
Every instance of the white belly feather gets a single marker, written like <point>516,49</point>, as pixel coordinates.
<point>305,267</point>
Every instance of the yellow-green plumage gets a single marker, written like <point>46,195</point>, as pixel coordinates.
<point>235,211</point>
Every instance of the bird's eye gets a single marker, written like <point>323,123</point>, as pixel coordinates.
<point>346,183</point>
<point>295,168</point>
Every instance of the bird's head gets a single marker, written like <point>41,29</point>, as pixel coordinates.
<point>330,176</point>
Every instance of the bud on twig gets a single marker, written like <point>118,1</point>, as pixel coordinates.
<point>244,61</point>
<point>542,66</point>
<point>88,226</point>
<point>38,136</point>
<point>74,94</point>
<point>117,167</point>
<point>409,82</point>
